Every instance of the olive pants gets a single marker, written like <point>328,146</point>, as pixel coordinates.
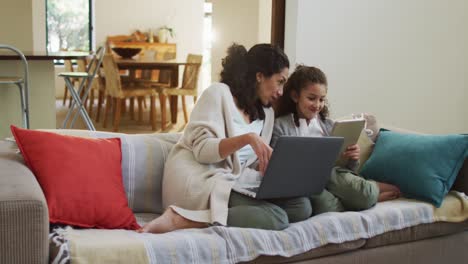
<point>345,191</point>
<point>272,214</point>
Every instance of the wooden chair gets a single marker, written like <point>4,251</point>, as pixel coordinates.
<point>117,93</point>
<point>188,87</point>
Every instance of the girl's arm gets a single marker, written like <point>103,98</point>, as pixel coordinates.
<point>352,154</point>
<point>278,131</point>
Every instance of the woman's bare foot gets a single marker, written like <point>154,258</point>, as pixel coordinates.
<point>169,221</point>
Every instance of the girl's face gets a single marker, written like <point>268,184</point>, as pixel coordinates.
<point>271,88</point>
<point>310,101</point>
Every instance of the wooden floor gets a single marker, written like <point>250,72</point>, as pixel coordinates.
<point>126,125</point>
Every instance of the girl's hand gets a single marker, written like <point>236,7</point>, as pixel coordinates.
<point>352,152</point>
<point>261,149</point>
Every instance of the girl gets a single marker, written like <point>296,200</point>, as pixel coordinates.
<point>226,141</point>
<point>303,111</point>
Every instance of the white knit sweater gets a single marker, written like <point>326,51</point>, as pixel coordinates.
<point>197,182</point>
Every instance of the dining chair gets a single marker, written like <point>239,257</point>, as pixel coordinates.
<point>97,86</point>
<point>22,82</point>
<point>79,96</point>
<point>188,88</point>
<point>117,92</point>
<point>68,67</point>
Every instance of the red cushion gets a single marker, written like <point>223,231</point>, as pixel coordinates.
<point>81,178</point>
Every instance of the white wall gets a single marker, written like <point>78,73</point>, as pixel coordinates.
<point>233,21</point>
<point>264,21</point>
<point>16,24</point>
<point>404,61</point>
<point>39,25</point>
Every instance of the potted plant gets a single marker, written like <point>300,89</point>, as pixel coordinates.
<point>164,32</point>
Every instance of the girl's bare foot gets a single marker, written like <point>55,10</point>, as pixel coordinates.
<point>388,195</point>
<point>386,187</point>
<point>169,221</point>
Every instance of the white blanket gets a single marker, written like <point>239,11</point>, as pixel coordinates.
<point>220,244</point>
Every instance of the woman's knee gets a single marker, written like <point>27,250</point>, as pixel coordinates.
<point>271,217</point>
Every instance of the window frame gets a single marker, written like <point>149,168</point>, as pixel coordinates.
<point>90,26</point>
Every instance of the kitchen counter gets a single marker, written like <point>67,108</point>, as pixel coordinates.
<point>41,89</point>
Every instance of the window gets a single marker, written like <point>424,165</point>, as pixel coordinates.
<point>68,25</point>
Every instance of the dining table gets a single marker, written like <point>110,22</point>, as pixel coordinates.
<point>171,66</point>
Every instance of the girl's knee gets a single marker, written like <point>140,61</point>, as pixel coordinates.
<point>301,210</point>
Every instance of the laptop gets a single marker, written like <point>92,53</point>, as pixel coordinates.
<point>299,166</point>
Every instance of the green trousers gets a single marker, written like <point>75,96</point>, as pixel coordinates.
<point>272,214</point>
<point>345,191</point>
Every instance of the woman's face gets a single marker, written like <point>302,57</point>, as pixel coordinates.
<point>310,101</point>
<point>271,88</point>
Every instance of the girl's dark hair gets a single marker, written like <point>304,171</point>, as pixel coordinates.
<point>300,79</point>
<point>240,68</point>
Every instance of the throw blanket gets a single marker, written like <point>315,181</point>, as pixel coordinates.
<point>220,244</point>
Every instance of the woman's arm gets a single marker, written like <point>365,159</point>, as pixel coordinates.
<point>228,146</point>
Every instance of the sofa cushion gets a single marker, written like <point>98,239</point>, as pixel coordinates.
<point>423,166</point>
<point>81,178</point>
<point>143,159</point>
<point>461,183</point>
<point>414,233</point>
<point>330,249</point>
<point>366,146</point>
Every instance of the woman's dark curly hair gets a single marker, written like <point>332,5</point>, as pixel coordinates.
<point>300,79</point>
<point>240,68</point>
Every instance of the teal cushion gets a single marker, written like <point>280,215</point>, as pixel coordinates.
<point>424,167</point>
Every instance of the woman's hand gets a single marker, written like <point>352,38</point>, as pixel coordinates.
<point>227,146</point>
<point>352,152</point>
<point>261,149</point>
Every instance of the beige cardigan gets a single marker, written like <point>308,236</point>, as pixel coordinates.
<point>197,182</point>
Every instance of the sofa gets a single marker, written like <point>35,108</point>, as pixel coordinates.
<point>421,232</point>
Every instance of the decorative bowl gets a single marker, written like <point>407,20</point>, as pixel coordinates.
<point>126,53</point>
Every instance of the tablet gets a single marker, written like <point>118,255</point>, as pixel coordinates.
<point>350,130</point>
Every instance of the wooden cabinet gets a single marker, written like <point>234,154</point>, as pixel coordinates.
<point>163,51</point>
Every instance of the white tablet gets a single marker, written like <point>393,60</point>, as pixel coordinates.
<point>350,130</point>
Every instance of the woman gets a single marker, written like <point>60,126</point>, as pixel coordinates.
<point>226,141</point>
